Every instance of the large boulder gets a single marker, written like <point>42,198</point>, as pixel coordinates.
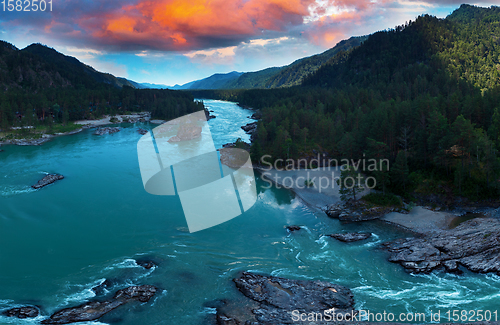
<point>275,300</point>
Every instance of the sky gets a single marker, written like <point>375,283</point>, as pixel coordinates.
<point>177,41</point>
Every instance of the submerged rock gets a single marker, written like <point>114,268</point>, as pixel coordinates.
<point>107,130</point>
<point>474,244</point>
<point>146,264</point>
<point>90,311</point>
<point>49,179</point>
<point>272,300</point>
<point>351,236</point>
<point>22,312</point>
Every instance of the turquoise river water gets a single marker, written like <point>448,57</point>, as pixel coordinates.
<point>60,241</point>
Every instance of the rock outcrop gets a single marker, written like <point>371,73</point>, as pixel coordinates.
<point>22,312</point>
<point>49,179</point>
<point>208,116</point>
<point>257,115</point>
<point>250,127</point>
<point>93,310</point>
<point>354,211</point>
<point>273,300</point>
<point>474,244</point>
<point>351,236</point>
<point>107,130</point>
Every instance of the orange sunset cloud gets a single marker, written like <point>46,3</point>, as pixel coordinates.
<point>194,24</point>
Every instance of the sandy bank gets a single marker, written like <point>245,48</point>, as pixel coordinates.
<point>324,192</point>
<point>421,220</point>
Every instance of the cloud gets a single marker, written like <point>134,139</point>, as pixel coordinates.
<point>210,31</point>
<point>222,56</point>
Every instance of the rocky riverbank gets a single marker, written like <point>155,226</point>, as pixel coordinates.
<point>116,119</point>
<point>474,244</point>
<point>107,130</point>
<point>37,142</point>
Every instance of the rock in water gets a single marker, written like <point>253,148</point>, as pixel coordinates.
<point>293,228</point>
<point>107,130</point>
<point>49,179</point>
<point>474,244</point>
<point>142,131</point>
<point>208,116</point>
<point>90,311</point>
<point>22,312</point>
<point>272,300</point>
<point>351,236</point>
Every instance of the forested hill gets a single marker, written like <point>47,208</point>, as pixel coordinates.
<point>274,77</point>
<point>425,95</point>
<point>293,74</point>
<point>38,66</point>
<point>42,86</point>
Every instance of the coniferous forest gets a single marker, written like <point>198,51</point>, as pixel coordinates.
<point>425,95</point>
<point>40,86</point>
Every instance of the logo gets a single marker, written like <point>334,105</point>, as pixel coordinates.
<point>179,158</point>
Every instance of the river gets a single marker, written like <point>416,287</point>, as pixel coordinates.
<point>60,241</point>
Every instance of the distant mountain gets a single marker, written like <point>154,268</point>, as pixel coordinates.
<point>145,85</point>
<point>275,77</point>
<point>215,81</point>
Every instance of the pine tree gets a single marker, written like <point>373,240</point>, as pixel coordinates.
<point>400,171</point>
<point>349,183</point>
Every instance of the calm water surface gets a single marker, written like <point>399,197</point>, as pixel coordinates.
<point>60,241</point>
